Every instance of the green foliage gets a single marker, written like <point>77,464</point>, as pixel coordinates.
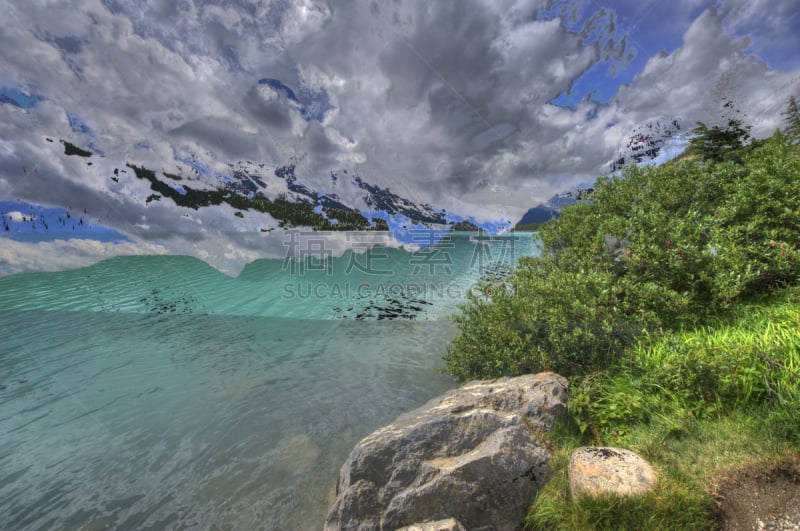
<point>746,361</point>
<point>529,227</point>
<point>792,119</point>
<point>521,328</point>
<point>672,507</point>
<point>749,361</point>
<point>657,249</point>
<point>71,149</point>
<point>718,143</point>
<point>602,405</point>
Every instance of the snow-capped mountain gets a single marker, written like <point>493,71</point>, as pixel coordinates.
<point>654,142</point>
<point>348,202</point>
<point>347,192</point>
<point>646,142</point>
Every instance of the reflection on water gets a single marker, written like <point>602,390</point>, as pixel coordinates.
<point>154,392</point>
<point>241,422</point>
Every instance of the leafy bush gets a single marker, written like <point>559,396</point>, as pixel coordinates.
<point>656,249</point>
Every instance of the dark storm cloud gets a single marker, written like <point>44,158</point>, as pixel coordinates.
<point>318,142</point>
<point>459,71</point>
<point>451,46</point>
<point>272,114</point>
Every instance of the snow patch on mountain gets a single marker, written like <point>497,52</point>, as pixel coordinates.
<point>647,141</point>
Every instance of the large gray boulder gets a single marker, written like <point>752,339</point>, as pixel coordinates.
<point>473,454</point>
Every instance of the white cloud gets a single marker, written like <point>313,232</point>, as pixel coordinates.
<point>58,255</point>
<point>17,216</point>
<point>682,83</point>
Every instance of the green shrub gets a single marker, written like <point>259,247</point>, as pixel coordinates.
<point>659,248</point>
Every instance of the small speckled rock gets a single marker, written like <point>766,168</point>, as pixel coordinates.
<point>602,471</point>
<point>451,524</point>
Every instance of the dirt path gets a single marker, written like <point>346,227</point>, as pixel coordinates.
<point>757,500</point>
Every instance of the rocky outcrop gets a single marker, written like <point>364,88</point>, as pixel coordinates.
<point>602,471</point>
<point>472,454</point>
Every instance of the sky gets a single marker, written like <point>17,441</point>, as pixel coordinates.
<point>483,107</point>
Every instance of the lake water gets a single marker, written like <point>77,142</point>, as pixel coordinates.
<point>158,393</point>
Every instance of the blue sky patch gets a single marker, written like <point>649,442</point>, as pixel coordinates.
<point>78,126</point>
<point>18,98</point>
<point>27,222</point>
<point>93,147</point>
<point>311,104</point>
<point>642,24</point>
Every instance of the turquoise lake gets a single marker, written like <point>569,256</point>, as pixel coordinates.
<point>157,393</point>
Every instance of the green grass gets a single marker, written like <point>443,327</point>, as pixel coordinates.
<point>750,360</point>
<point>688,454</point>
<point>696,404</point>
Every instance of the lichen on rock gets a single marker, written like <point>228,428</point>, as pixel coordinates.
<point>603,471</point>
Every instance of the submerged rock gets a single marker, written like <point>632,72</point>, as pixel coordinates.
<point>602,471</point>
<point>472,454</point>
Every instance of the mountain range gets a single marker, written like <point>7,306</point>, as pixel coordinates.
<point>655,142</point>
<point>348,202</point>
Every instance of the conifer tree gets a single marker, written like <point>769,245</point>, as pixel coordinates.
<point>719,142</point>
<point>726,132</point>
<point>792,119</point>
